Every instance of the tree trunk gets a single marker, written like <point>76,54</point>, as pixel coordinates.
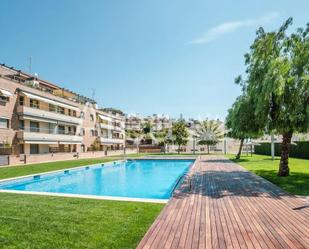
<point>285,150</point>
<point>179,149</point>
<point>208,148</point>
<point>240,148</point>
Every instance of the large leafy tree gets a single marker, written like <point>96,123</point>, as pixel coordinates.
<point>241,121</point>
<point>278,83</point>
<point>209,133</point>
<point>180,134</point>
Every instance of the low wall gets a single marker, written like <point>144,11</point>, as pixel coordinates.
<point>150,149</point>
<point>19,160</point>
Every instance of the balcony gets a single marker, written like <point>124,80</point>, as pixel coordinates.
<point>104,140</point>
<point>110,127</point>
<point>48,136</point>
<point>47,115</point>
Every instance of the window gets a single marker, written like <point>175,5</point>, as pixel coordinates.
<point>82,131</point>
<point>34,149</point>
<point>61,129</point>
<point>83,148</point>
<point>74,113</point>
<point>21,124</point>
<point>72,130</point>
<point>92,133</point>
<point>69,112</point>
<point>52,108</point>
<point>91,117</point>
<point>82,114</point>
<point>21,149</point>
<point>3,100</point>
<point>4,123</point>
<point>34,103</point>
<point>60,109</point>
<point>21,100</point>
<point>34,126</point>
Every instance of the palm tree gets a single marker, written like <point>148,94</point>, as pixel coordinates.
<point>209,133</point>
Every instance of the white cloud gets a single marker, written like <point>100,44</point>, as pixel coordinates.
<point>229,27</point>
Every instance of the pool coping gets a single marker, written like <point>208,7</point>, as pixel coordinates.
<point>95,197</point>
<point>58,170</point>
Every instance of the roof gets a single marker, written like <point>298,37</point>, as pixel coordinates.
<point>23,77</point>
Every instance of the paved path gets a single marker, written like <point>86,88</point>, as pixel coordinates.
<point>222,205</point>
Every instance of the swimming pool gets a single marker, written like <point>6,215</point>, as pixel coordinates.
<point>150,179</point>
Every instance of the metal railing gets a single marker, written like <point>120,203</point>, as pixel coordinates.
<point>50,108</point>
<point>49,131</point>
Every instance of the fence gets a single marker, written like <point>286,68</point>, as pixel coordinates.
<point>298,150</point>
<point>150,149</point>
<point>5,151</point>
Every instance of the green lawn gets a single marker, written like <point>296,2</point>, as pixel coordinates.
<point>28,221</point>
<point>298,181</point>
<point>7,172</point>
<point>41,222</point>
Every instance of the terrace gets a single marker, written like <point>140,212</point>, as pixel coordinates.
<point>222,205</point>
<point>34,82</point>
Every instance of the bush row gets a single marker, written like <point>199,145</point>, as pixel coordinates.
<point>298,150</point>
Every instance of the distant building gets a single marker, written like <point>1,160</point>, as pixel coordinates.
<point>133,123</point>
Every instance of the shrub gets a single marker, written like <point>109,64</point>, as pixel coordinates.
<point>298,150</point>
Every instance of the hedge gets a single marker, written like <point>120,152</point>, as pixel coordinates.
<point>301,150</point>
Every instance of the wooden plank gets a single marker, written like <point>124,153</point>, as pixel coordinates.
<point>229,207</point>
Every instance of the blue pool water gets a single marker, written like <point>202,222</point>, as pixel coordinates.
<point>154,179</point>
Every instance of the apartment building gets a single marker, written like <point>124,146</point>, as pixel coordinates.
<point>159,122</point>
<point>133,123</point>
<point>111,130</point>
<point>38,117</point>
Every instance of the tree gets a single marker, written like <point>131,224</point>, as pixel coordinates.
<point>147,127</point>
<point>180,134</point>
<point>278,83</point>
<point>163,137</point>
<point>241,121</point>
<point>112,110</point>
<point>209,133</point>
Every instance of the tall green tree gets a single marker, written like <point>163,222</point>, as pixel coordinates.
<point>180,134</point>
<point>241,121</point>
<point>278,82</point>
<point>209,133</point>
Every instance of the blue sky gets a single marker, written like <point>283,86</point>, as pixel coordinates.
<point>159,56</point>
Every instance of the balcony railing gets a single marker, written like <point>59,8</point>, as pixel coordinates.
<point>111,127</point>
<point>49,135</point>
<point>45,114</point>
<point>111,140</point>
<point>49,131</point>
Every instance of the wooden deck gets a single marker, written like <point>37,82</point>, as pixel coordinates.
<point>222,205</point>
